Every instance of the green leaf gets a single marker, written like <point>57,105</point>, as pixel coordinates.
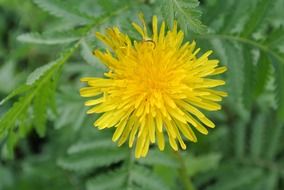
<point>262,73</point>
<point>167,174</point>
<point>40,105</point>
<point>9,119</point>
<point>89,160</point>
<point>168,12</point>
<point>108,181</point>
<point>235,16</point>
<point>279,88</point>
<point>90,145</point>
<point>230,55</point>
<point>275,38</point>
<point>240,137</point>
<point>249,78</point>
<point>62,10</point>
<point>40,71</point>
<point>275,16</point>
<point>257,139</point>
<point>186,12</point>
<point>272,180</point>
<point>203,163</point>
<point>146,179</point>
<point>42,75</point>
<point>87,55</point>
<point>17,91</point>
<point>237,179</point>
<point>50,39</point>
<point>11,142</point>
<point>256,17</point>
<point>275,140</point>
<point>72,112</point>
<point>156,157</point>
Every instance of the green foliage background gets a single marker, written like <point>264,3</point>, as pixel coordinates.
<point>47,142</point>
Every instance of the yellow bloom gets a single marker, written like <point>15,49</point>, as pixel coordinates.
<point>154,85</point>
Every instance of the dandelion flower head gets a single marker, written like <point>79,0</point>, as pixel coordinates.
<point>154,87</point>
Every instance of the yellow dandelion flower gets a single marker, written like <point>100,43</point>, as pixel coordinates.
<point>154,86</point>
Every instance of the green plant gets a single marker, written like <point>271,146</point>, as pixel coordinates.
<point>244,152</point>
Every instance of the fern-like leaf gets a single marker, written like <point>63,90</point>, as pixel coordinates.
<point>90,160</point>
<point>237,179</point>
<point>203,163</point>
<point>279,88</point>
<point>87,55</point>
<point>230,55</point>
<point>39,72</point>
<point>50,39</point>
<point>108,181</point>
<point>262,73</point>
<point>39,80</point>
<point>97,143</point>
<point>234,21</point>
<point>144,178</point>
<point>11,117</point>
<point>156,157</point>
<point>186,12</point>
<point>17,91</point>
<point>61,10</point>
<point>40,106</point>
<point>257,143</point>
<point>249,75</point>
<point>256,17</point>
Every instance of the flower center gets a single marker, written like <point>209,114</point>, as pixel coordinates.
<point>151,79</point>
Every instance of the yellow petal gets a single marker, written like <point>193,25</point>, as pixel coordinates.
<point>160,140</point>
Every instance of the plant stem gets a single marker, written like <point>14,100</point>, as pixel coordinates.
<point>187,183</point>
